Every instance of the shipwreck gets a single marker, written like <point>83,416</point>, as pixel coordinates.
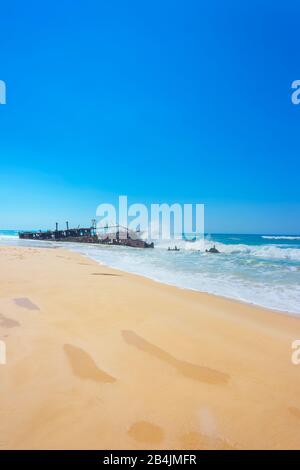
<point>108,235</point>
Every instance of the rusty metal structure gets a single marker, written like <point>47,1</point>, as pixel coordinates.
<point>115,235</point>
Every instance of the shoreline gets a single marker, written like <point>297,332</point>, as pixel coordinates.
<point>102,358</point>
<point>64,245</point>
<point>190,289</point>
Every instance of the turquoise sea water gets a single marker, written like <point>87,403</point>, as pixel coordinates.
<point>258,269</point>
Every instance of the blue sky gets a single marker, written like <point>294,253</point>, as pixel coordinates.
<point>164,101</point>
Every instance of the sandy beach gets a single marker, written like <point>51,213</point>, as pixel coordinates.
<point>102,359</point>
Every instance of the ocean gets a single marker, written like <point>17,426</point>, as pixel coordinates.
<point>257,269</point>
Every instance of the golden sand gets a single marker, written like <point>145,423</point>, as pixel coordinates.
<point>98,358</point>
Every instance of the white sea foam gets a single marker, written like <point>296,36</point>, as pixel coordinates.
<point>251,280</point>
<point>266,274</point>
<point>259,251</point>
<point>8,237</point>
<point>280,237</point>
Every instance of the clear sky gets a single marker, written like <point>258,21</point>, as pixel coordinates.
<point>163,101</point>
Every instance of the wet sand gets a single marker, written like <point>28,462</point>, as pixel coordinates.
<point>102,359</point>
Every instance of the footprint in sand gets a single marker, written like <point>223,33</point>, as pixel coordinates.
<point>294,411</point>
<point>145,432</point>
<point>24,302</point>
<point>8,322</point>
<point>193,371</point>
<point>84,367</point>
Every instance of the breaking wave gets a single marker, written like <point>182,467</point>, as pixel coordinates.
<point>258,251</point>
<point>280,237</point>
<point>248,268</point>
<point>5,237</point>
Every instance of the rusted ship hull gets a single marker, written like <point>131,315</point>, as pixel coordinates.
<point>84,235</point>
